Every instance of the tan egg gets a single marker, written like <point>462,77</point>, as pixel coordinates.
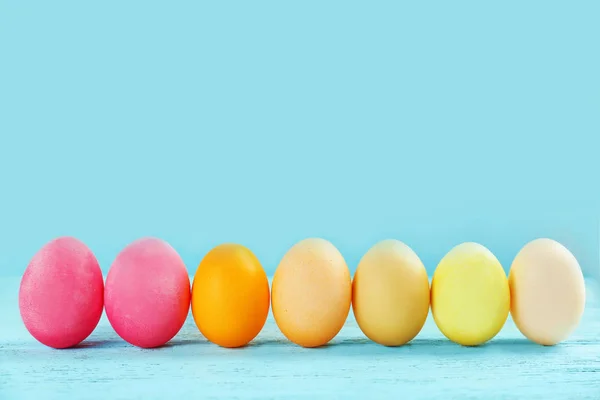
<point>311,293</point>
<point>390,293</point>
<point>547,291</point>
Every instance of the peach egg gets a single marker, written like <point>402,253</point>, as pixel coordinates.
<point>230,296</point>
<point>547,291</point>
<point>147,293</point>
<point>61,293</point>
<point>311,293</point>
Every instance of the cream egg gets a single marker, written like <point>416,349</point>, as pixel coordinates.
<point>390,293</point>
<point>547,291</point>
<point>311,293</point>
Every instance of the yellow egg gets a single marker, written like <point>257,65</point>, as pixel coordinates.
<point>470,296</point>
<point>390,293</point>
<point>547,291</point>
<point>311,293</point>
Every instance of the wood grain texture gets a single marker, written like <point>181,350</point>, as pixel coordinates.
<point>430,367</point>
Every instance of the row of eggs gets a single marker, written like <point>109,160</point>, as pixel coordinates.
<point>147,293</point>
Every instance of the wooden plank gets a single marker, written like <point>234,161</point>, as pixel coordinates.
<point>431,367</point>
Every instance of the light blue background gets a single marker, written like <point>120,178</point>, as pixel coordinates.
<point>264,122</point>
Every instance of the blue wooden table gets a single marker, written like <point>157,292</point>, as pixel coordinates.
<point>431,367</point>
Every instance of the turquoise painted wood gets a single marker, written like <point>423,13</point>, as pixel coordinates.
<point>104,367</point>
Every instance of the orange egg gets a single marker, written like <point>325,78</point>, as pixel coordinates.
<point>230,296</point>
<point>312,293</point>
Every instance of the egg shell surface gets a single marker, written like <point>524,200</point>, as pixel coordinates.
<point>61,295</point>
<point>311,292</point>
<point>470,296</point>
<point>547,291</point>
<point>147,293</point>
<point>390,293</point>
<point>230,295</point>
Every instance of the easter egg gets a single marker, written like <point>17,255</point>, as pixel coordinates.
<point>61,293</point>
<point>311,293</point>
<point>390,293</point>
<point>470,296</point>
<point>147,293</point>
<point>230,296</point>
<point>547,291</point>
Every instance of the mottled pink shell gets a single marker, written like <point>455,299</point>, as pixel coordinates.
<point>61,293</point>
<point>147,293</point>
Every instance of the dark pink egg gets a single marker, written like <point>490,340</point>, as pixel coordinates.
<point>147,293</point>
<point>61,293</point>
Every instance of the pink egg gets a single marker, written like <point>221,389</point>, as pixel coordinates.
<point>147,294</point>
<point>61,293</point>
